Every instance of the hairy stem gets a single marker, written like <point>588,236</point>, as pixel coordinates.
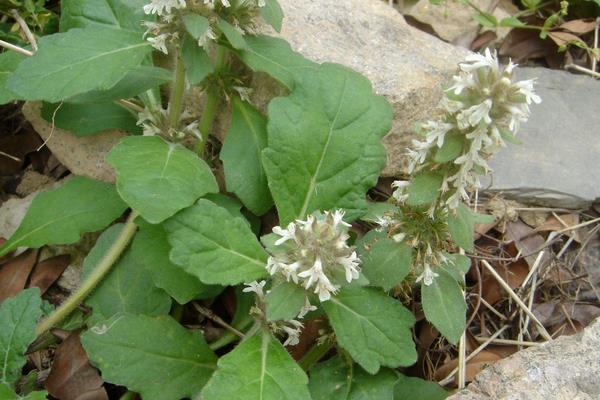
<point>103,267</point>
<point>315,354</point>
<point>212,101</point>
<point>177,92</point>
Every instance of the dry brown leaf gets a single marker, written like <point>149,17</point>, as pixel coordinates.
<point>71,376</point>
<point>308,337</point>
<point>483,39</point>
<point>526,239</point>
<point>514,274</point>
<point>48,271</point>
<point>579,26</point>
<point>14,274</point>
<point>474,366</point>
<point>17,146</point>
<point>563,38</point>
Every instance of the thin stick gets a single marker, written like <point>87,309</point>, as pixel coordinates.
<point>9,156</point>
<point>507,341</point>
<point>478,350</point>
<point>582,69</point>
<point>594,60</point>
<point>18,49</point>
<point>492,309</point>
<point>211,315</point>
<point>30,37</point>
<point>581,225</point>
<point>517,300</point>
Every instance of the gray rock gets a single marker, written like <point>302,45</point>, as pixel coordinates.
<point>81,155</point>
<point>407,66</point>
<point>557,164</point>
<point>566,369</point>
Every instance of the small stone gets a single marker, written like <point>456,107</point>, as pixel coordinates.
<point>557,163</point>
<point>566,369</point>
<point>83,156</point>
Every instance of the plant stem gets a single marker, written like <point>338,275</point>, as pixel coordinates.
<point>315,354</point>
<point>212,101</point>
<point>128,396</point>
<point>103,267</point>
<point>177,92</point>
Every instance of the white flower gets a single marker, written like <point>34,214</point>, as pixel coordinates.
<point>152,28</point>
<point>526,89</point>
<point>244,93</point>
<point>163,7</point>
<point>338,218</point>
<point>437,132</point>
<point>399,237</point>
<point>159,42</point>
<point>400,193</point>
<point>427,276</point>
<point>306,308</point>
<point>286,234</point>
<point>255,287</point>
<point>384,221</point>
<point>476,61</point>
<point>350,264</point>
<point>261,3</point>
<point>206,36</point>
<point>462,82</point>
<point>475,114</point>
<point>293,330</point>
<point>211,3</point>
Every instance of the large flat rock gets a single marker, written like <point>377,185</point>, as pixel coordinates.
<point>566,369</point>
<point>558,163</point>
<point>407,66</point>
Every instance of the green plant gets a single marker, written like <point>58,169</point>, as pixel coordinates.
<point>313,156</point>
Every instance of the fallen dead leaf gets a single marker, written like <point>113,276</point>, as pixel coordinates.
<point>71,376</point>
<point>48,271</point>
<point>527,241</point>
<point>14,274</point>
<point>474,366</point>
<point>563,38</point>
<point>579,26</point>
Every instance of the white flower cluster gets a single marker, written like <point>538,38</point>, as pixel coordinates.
<point>291,327</point>
<point>484,106</point>
<point>156,123</point>
<point>158,34</point>
<point>314,254</point>
<point>226,3</point>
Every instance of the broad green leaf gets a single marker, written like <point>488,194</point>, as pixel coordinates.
<point>258,369</point>
<point>116,14</point>
<point>275,57</point>
<point>75,62</point>
<point>60,216</point>
<point>88,119</point>
<point>462,227</point>
<point>387,263</point>
<point>272,14</point>
<point>197,62</point>
<point>335,380</point>
<point>241,156</point>
<point>325,146</point>
<point>444,305</point>
<point>150,249</point>
<point>127,288</point>
<point>157,178</point>
<point>18,317</point>
<point>372,327</point>
<point>234,37</point>
<point>284,301</point>
<point>233,206</point>
<point>409,388</point>
<point>450,150</point>
<point>196,25</point>
<point>9,61</point>
<point>210,243</point>
<point>6,393</point>
<point>482,218</point>
<point>424,188</point>
<point>457,266</point>
<point>156,357</point>
<point>136,81</point>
